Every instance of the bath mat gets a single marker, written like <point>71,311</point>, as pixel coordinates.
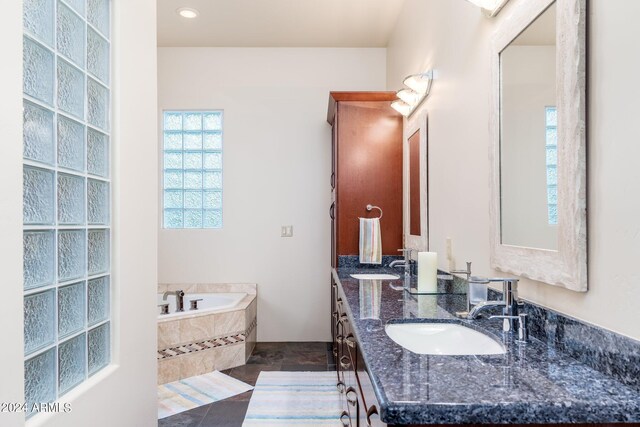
<point>189,393</point>
<point>294,399</point>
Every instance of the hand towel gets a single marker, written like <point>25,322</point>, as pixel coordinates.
<point>370,241</point>
<point>370,298</point>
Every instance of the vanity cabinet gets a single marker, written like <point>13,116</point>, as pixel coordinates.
<point>360,407</point>
<point>366,168</point>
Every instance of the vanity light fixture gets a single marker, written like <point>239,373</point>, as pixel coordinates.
<point>409,96</point>
<point>187,12</point>
<point>420,83</point>
<point>490,7</point>
<point>416,91</point>
<point>402,107</point>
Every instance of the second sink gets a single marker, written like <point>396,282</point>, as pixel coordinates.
<point>447,339</point>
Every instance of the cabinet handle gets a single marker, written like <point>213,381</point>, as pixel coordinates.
<point>371,411</point>
<point>332,210</point>
<point>343,318</point>
<point>335,315</point>
<point>346,423</point>
<point>333,180</point>
<point>339,339</point>
<point>352,401</point>
<point>345,363</point>
<point>351,342</point>
<point>341,387</point>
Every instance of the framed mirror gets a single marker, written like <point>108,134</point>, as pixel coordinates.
<point>416,182</point>
<point>538,156</point>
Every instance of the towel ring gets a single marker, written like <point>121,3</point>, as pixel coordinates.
<point>371,207</point>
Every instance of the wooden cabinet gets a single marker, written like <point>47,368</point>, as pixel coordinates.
<point>366,168</point>
<point>360,407</point>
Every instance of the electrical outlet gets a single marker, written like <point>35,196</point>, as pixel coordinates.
<point>286,231</point>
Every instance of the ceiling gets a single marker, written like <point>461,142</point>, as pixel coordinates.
<point>278,23</point>
<point>542,32</point>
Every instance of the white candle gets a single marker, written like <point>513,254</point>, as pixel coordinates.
<point>427,272</point>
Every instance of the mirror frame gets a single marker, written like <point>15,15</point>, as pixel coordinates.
<point>566,267</point>
<point>417,122</point>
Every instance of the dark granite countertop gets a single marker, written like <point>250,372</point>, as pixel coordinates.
<point>535,383</point>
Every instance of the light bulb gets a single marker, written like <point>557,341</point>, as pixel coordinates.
<point>401,107</point>
<point>409,96</point>
<point>419,82</point>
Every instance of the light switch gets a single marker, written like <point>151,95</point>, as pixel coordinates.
<point>286,231</point>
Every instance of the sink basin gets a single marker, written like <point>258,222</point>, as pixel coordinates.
<point>449,339</point>
<point>375,276</point>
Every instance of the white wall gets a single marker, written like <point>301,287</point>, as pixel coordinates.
<point>528,86</point>
<point>459,147</point>
<point>124,394</point>
<point>276,172</point>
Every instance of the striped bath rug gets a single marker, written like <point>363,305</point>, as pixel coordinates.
<point>294,399</point>
<point>189,393</point>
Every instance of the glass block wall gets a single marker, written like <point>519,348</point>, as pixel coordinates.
<point>67,194</point>
<point>192,169</point>
<point>551,120</point>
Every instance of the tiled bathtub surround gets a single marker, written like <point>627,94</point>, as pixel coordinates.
<point>202,342</point>
<point>192,288</point>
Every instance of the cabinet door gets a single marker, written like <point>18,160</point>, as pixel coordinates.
<point>369,171</point>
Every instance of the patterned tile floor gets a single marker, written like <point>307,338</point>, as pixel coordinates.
<point>281,356</point>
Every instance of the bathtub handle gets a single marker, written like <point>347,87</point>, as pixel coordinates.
<point>194,303</point>
<point>164,308</point>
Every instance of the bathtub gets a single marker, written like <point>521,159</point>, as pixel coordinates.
<point>211,303</point>
<point>219,335</point>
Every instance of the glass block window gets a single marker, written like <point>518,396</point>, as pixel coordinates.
<point>551,124</point>
<point>192,180</point>
<point>66,194</point>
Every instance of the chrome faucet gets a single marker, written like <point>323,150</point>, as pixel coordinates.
<point>509,304</point>
<point>523,327</point>
<point>179,299</point>
<point>406,262</point>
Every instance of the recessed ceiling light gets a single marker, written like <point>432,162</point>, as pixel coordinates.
<point>186,12</point>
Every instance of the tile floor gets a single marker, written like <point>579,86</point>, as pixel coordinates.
<point>282,356</point>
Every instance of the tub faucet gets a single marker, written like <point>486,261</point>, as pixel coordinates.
<point>179,299</point>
